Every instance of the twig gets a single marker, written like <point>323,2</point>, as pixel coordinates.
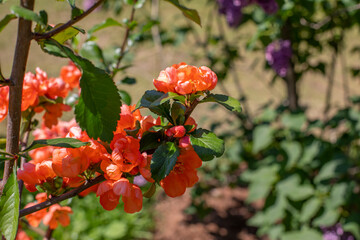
<point>328,18</point>
<point>62,197</point>
<point>24,37</point>
<point>345,78</point>
<point>124,43</point>
<point>331,77</point>
<point>48,233</point>
<point>38,36</point>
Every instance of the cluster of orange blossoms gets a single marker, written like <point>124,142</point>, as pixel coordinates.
<point>38,85</point>
<point>50,216</point>
<point>56,170</point>
<point>185,79</point>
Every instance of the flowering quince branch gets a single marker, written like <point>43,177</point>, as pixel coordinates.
<point>125,40</point>
<point>15,90</point>
<point>47,35</point>
<point>54,200</point>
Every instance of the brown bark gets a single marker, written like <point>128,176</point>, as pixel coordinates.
<point>24,37</point>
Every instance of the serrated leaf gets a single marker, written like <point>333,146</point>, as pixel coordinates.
<point>6,20</point>
<point>163,160</point>
<point>228,102</point>
<point>149,98</point>
<point>262,137</point>
<point>56,142</point>
<point>98,109</point>
<point>206,144</point>
<point>66,34</point>
<point>191,14</point>
<point>150,141</point>
<point>26,14</point>
<point>9,208</point>
<point>109,22</point>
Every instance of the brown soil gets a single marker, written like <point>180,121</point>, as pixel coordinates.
<point>226,220</point>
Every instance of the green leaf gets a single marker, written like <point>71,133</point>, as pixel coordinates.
<point>91,51</point>
<point>56,142</point>
<point>49,47</point>
<point>166,97</point>
<point>293,152</point>
<point>309,209</point>
<point>125,96</point>
<point>9,208</point>
<point>106,23</point>
<point>65,35</point>
<point>6,20</point>
<point>98,109</point>
<point>302,235</point>
<point>228,102</point>
<point>128,80</point>
<point>150,141</point>
<point>328,218</point>
<point>26,14</point>
<point>191,14</point>
<point>332,169</point>
<point>206,144</point>
<point>293,121</point>
<point>293,189</point>
<point>163,160</point>
<point>262,138</point>
<point>149,98</point>
<point>178,113</point>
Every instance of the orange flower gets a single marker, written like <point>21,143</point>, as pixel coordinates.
<point>131,195</point>
<point>35,218</point>
<point>71,75</point>
<point>44,170</point>
<point>53,112</point>
<point>29,176</point>
<point>128,118</point>
<point>56,87</point>
<point>144,168</point>
<point>4,102</point>
<point>96,152</point>
<point>185,79</point>
<point>111,170</point>
<point>57,214</point>
<point>108,199</point>
<point>30,91</point>
<point>176,131</point>
<point>183,175</point>
<point>41,197</point>
<point>133,202</point>
<point>21,235</point>
<point>72,182</point>
<point>69,162</point>
<point>126,153</point>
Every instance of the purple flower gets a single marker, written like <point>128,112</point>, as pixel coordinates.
<point>88,4</point>
<point>140,181</point>
<point>278,55</point>
<point>232,10</point>
<point>269,6</point>
<point>336,232</point>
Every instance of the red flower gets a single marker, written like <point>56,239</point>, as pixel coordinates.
<point>177,131</point>
<point>71,75</point>
<point>183,175</point>
<point>57,214</point>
